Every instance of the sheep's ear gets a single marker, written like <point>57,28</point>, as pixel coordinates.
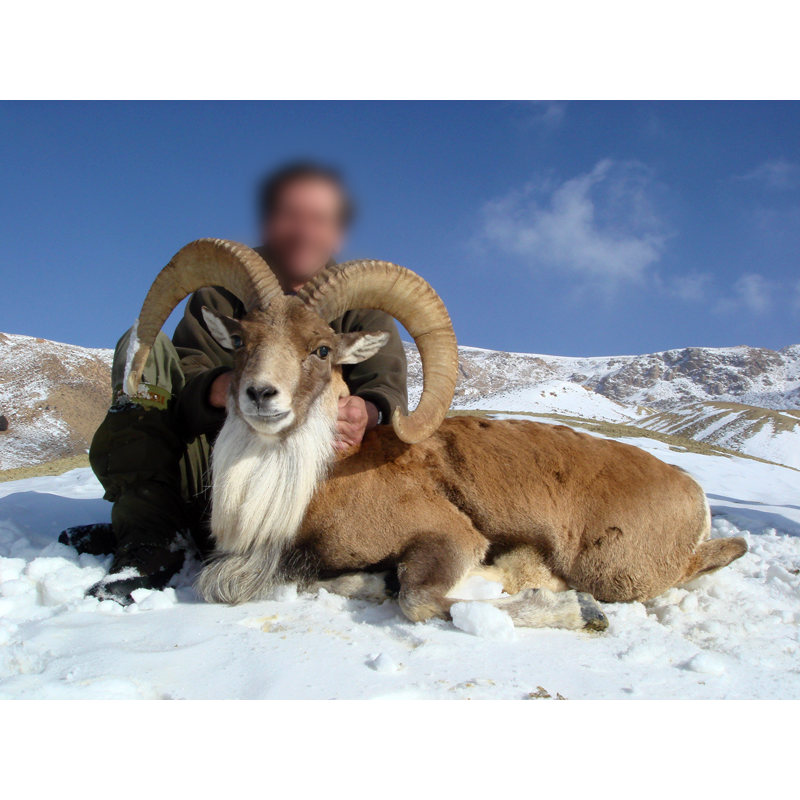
<point>224,329</point>
<point>353,348</point>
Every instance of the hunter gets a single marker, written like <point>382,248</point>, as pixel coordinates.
<point>152,456</point>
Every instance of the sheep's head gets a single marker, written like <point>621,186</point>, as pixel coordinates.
<point>286,354</point>
<point>287,358</point>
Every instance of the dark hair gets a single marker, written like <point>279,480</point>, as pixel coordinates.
<point>270,187</point>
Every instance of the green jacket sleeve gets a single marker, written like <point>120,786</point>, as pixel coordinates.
<point>202,361</point>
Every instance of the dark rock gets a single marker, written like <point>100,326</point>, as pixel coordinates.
<point>3,423</point>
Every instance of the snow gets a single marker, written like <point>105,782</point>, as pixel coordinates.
<point>557,397</point>
<point>782,447</point>
<point>774,436</point>
<point>481,619</point>
<point>707,664</point>
<point>384,663</point>
<point>733,634</point>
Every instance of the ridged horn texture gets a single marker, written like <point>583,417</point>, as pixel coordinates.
<point>204,262</point>
<point>413,302</point>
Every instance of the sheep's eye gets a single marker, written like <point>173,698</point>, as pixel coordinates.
<point>322,352</point>
<point>237,342</point>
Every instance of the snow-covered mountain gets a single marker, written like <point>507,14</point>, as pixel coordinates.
<point>54,395</point>
<point>742,398</point>
<point>554,397</point>
<point>667,380</point>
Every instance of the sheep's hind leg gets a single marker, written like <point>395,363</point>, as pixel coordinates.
<point>434,563</point>
<point>539,598</point>
<point>521,567</point>
<point>541,608</point>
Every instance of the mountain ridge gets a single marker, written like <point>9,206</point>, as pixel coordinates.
<point>751,375</point>
<point>55,394</point>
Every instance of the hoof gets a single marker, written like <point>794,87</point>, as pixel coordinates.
<point>593,617</point>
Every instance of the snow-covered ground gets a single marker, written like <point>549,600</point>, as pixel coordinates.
<point>558,397</point>
<point>772,435</point>
<point>734,634</point>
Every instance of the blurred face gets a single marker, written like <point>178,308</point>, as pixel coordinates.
<point>305,229</point>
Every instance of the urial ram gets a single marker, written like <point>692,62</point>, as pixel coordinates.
<point>560,518</point>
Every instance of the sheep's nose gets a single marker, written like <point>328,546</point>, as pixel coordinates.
<point>260,393</point>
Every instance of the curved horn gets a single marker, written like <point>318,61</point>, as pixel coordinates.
<point>411,300</point>
<point>204,262</point>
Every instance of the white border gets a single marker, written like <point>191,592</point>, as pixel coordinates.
<point>386,750</point>
<point>421,49</point>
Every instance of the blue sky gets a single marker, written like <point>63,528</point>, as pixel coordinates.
<point>566,228</point>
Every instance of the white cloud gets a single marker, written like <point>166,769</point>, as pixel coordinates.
<point>689,288</point>
<point>796,300</point>
<point>754,292</point>
<point>548,113</point>
<point>601,226</point>
<point>776,173</point>
<point>751,292</point>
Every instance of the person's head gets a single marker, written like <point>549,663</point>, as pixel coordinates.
<point>305,211</point>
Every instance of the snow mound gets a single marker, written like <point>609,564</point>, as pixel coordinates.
<point>384,663</point>
<point>482,619</point>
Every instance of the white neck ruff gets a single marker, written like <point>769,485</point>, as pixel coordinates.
<point>262,485</point>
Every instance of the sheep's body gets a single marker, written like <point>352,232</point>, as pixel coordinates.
<point>528,504</point>
<point>586,506</point>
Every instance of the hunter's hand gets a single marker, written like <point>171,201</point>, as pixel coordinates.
<point>356,417</point>
<point>218,393</point>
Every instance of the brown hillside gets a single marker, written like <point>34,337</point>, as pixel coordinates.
<point>53,395</point>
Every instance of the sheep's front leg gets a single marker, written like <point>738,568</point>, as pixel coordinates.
<point>370,586</point>
<point>432,564</point>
